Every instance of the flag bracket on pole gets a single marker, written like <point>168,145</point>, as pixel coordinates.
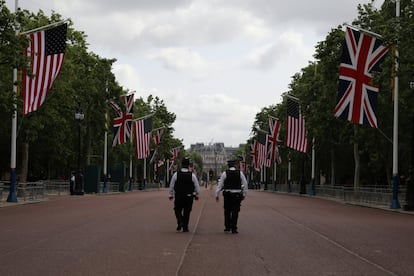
<point>362,30</point>
<point>55,24</point>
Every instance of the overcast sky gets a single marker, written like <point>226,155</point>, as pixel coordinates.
<point>215,63</point>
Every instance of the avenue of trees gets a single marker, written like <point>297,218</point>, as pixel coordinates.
<point>47,139</point>
<point>349,154</point>
<point>345,153</point>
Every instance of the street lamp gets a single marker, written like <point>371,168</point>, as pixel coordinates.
<point>409,193</point>
<point>79,116</point>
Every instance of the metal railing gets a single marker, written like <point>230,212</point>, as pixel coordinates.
<point>371,195</point>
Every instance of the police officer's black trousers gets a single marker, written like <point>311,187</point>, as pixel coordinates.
<point>182,209</point>
<point>232,203</point>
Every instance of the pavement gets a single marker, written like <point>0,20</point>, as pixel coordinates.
<point>134,234</point>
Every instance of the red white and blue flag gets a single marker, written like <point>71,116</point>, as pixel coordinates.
<point>254,155</point>
<point>142,131</point>
<point>122,124</point>
<point>272,136</point>
<point>157,135</point>
<point>357,96</point>
<point>262,139</point>
<point>174,152</point>
<point>242,163</point>
<point>296,134</point>
<point>45,53</point>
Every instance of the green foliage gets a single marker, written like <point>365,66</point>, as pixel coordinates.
<point>52,131</point>
<point>317,84</point>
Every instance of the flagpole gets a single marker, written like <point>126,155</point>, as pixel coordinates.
<point>313,192</point>
<point>289,175</point>
<point>167,174</point>
<point>144,117</point>
<point>394,203</point>
<point>144,181</point>
<point>130,171</point>
<point>12,197</point>
<point>274,175</point>
<point>105,166</point>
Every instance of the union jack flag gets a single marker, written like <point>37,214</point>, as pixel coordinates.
<point>174,152</point>
<point>272,136</point>
<point>123,123</point>
<point>253,154</point>
<point>357,96</point>
<point>157,135</point>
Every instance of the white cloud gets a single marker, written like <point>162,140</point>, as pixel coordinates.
<point>182,60</point>
<point>127,76</point>
<point>193,54</point>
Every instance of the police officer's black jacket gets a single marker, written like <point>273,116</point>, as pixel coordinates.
<point>184,184</point>
<point>232,181</point>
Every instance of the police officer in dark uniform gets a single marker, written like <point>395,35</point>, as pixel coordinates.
<point>184,188</point>
<point>233,183</point>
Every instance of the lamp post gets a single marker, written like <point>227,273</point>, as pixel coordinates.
<point>79,116</point>
<point>409,193</point>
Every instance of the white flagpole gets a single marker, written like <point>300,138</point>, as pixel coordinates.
<point>394,203</point>
<point>12,197</point>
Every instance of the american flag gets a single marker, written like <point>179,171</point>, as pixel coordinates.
<point>296,135</point>
<point>357,97</point>
<point>157,135</point>
<point>123,123</point>
<point>273,135</point>
<point>142,130</point>
<point>45,53</point>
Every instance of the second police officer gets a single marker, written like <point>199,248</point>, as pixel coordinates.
<point>184,188</point>
<point>233,183</point>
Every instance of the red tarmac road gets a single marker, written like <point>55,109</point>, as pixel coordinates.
<point>134,234</point>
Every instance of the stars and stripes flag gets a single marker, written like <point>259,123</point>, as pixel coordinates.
<point>142,134</point>
<point>357,97</point>
<point>296,134</point>
<point>272,136</point>
<point>262,139</point>
<point>45,53</point>
<point>122,124</point>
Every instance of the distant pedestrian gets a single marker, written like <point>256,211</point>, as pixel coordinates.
<point>233,183</point>
<point>72,183</point>
<point>184,187</point>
